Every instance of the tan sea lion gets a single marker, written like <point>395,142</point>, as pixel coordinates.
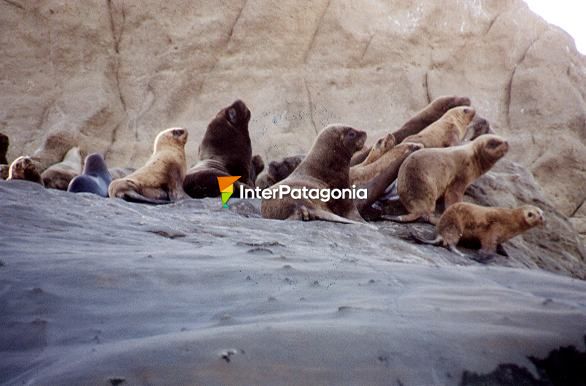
<point>225,150</point>
<point>160,180</point>
<point>430,174</point>
<point>491,226</point>
<point>278,170</point>
<point>447,131</point>
<point>4,143</point>
<point>423,118</point>
<point>326,167</point>
<point>24,168</point>
<point>58,176</point>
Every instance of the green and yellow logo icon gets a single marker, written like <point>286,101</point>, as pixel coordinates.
<point>226,185</point>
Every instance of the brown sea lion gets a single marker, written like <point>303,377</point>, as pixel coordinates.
<point>430,174</point>
<point>491,226</point>
<point>225,150</point>
<point>58,176</point>
<point>447,131</point>
<point>326,166</point>
<point>4,143</point>
<point>423,118</point>
<point>4,170</point>
<point>278,170</point>
<point>160,180</point>
<point>24,168</point>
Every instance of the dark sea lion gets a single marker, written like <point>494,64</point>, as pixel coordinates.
<point>278,170</point>
<point>225,150</point>
<point>95,177</point>
<point>160,180</point>
<point>491,226</point>
<point>4,143</point>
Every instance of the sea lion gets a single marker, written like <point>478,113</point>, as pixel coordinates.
<point>59,176</point>
<point>326,167</point>
<point>381,146</point>
<point>4,170</point>
<point>95,177</point>
<point>160,180</point>
<point>447,131</point>
<point>430,174</point>
<point>4,142</point>
<point>423,118</point>
<point>278,171</point>
<point>431,113</point>
<point>491,226</point>
<point>117,173</point>
<point>225,150</point>
<point>24,168</point>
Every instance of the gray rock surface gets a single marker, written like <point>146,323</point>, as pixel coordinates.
<point>110,74</point>
<point>100,291</point>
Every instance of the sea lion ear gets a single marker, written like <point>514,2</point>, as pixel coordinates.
<point>232,115</point>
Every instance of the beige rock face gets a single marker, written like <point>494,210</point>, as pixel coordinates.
<point>110,74</point>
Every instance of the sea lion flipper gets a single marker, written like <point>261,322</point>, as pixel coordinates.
<point>309,214</point>
<point>133,196</point>
<point>438,239</point>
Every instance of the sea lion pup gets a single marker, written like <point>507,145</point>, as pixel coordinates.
<point>430,174</point>
<point>447,131</point>
<point>225,150</point>
<point>325,167</point>
<point>160,180</point>
<point>491,226</point>
<point>95,177</point>
<point>4,142</point>
<point>58,176</point>
<point>278,171</point>
<point>24,168</point>
<point>423,118</point>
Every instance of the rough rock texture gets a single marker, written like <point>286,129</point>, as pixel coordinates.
<point>110,74</point>
<point>104,292</point>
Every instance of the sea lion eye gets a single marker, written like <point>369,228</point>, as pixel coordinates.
<point>351,134</point>
<point>232,115</point>
<point>530,214</point>
<point>178,132</point>
<point>493,143</point>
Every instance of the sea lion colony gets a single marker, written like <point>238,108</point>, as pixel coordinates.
<point>425,160</point>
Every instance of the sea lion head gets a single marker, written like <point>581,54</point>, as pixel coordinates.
<point>173,137</point>
<point>463,114</point>
<point>532,215</point>
<point>237,115</point>
<point>94,164</point>
<point>342,137</point>
<point>20,167</point>
<point>490,147</point>
<point>410,147</point>
<point>479,126</point>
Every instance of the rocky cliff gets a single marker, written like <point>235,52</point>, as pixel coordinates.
<point>110,74</point>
